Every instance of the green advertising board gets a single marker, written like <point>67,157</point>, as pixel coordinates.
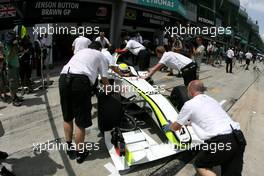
<point>170,5</point>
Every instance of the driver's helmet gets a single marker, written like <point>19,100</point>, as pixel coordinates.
<point>124,68</point>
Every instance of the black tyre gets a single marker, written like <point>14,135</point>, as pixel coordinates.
<point>179,96</point>
<point>110,111</point>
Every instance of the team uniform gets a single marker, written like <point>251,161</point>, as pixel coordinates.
<point>104,42</point>
<point>80,43</point>
<point>141,52</point>
<point>184,64</point>
<point>75,85</point>
<point>109,58</point>
<point>229,60</point>
<point>213,125</point>
<point>248,56</point>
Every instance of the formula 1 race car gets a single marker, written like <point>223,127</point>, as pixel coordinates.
<point>132,116</point>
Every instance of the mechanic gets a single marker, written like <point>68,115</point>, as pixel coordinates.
<point>213,125</point>
<point>139,51</point>
<point>248,56</point>
<point>229,60</point>
<point>80,43</point>
<point>175,61</point>
<point>75,83</point>
<point>110,60</point>
<point>103,40</point>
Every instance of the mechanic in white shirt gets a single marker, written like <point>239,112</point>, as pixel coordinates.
<point>75,86</point>
<point>248,56</point>
<point>140,52</point>
<point>174,61</point>
<point>229,60</point>
<point>103,40</point>
<point>111,62</point>
<point>213,125</point>
<point>80,43</point>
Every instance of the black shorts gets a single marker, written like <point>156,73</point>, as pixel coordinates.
<point>247,61</point>
<point>230,158</point>
<point>229,60</point>
<point>189,73</point>
<point>75,99</point>
<point>143,60</point>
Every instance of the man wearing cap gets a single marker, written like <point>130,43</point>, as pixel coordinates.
<point>224,143</point>
<point>174,61</point>
<point>75,84</point>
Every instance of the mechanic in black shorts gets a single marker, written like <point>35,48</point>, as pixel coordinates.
<point>75,82</point>
<point>224,143</point>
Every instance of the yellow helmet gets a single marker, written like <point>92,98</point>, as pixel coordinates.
<point>123,68</point>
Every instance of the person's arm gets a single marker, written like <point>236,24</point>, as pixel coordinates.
<point>105,84</point>
<point>103,71</point>
<point>153,70</point>
<point>73,45</point>
<point>183,119</point>
<point>128,46</point>
<point>107,42</point>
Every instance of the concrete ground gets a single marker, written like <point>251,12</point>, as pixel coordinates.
<point>39,120</point>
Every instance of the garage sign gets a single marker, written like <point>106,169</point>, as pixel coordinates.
<point>171,5</point>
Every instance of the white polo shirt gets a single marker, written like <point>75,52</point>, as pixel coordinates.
<point>80,43</point>
<point>134,47</point>
<point>174,60</point>
<point>103,41</point>
<point>46,41</point>
<point>248,55</point>
<point>207,117</point>
<point>230,54</point>
<point>200,51</point>
<point>109,58</point>
<point>87,62</point>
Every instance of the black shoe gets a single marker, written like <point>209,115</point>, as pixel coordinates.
<point>81,156</point>
<point>19,99</point>
<point>17,103</point>
<point>3,155</point>
<point>71,154</point>
<point>5,172</point>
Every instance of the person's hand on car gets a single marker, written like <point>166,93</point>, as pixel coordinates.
<point>166,128</point>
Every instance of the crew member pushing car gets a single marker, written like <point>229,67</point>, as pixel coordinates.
<point>174,61</point>
<point>75,84</point>
<point>224,143</point>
